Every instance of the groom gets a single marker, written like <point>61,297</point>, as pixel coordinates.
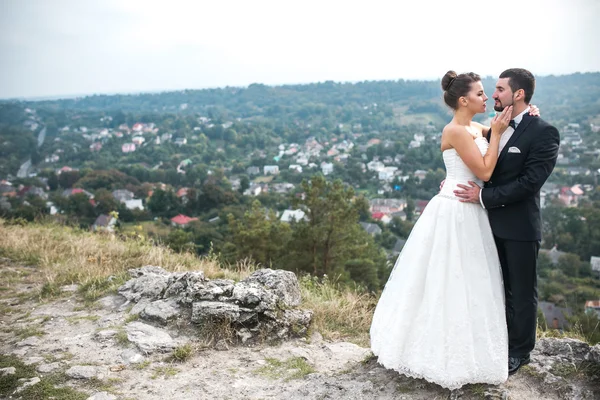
<point>527,155</point>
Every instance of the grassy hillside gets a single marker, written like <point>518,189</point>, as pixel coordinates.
<point>99,264</point>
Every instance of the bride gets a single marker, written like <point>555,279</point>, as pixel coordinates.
<point>441,314</point>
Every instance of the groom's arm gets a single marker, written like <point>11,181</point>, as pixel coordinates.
<point>538,166</point>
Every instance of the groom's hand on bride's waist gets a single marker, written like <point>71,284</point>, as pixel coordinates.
<point>468,194</point>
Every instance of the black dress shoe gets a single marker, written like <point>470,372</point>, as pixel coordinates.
<point>514,363</point>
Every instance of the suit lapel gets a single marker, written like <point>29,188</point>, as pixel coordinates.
<point>520,129</point>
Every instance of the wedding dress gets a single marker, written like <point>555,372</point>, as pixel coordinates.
<point>441,314</point>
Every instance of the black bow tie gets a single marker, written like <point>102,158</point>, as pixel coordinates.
<point>512,124</point>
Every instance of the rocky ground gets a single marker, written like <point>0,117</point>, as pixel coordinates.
<point>65,349</point>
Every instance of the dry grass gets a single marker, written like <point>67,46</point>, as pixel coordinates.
<point>339,312</point>
<point>99,264</point>
<point>66,255</point>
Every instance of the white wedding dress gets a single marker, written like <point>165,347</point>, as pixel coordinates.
<point>441,314</point>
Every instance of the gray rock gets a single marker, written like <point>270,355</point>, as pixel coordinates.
<point>202,290</point>
<point>553,347</point>
<point>203,311</point>
<point>161,310</point>
<point>69,288</point>
<point>579,348</point>
<point>316,338</point>
<point>132,357</point>
<point>19,352</point>
<point>7,371</point>
<point>148,338</point>
<point>113,302</point>
<point>139,307</point>
<point>567,349</point>
<point>45,368</point>
<point>82,372</point>
<point>102,396</point>
<point>260,304</point>
<point>253,295</point>
<point>30,341</point>
<point>33,381</point>
<point>283,283</point>
<point>297,321</point>
<point>244,334</point>
<point>181,284</point>
<point>594,354</point>
<point>105,335</point>
<point>149,282</point>
<point>33,360</point>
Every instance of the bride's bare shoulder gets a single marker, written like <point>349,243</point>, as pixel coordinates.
<point>453,129</point>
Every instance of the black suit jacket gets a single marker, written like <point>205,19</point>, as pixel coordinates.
<point>512,195</point>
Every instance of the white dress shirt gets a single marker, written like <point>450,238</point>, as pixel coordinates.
<point>506,135</point>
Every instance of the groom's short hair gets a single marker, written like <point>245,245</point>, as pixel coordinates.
<point>519,78</point>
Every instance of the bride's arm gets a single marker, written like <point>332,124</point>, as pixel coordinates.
<point>462,141</point>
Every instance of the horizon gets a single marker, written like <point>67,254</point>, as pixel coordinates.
<point>67,48</point>
<point>161,91</point>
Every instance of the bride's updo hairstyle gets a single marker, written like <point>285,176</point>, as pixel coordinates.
<point>456,86</point>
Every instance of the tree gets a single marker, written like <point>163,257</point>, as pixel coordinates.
<point>67,179</point>
<point>544,265</point>
<point>163,203</point>
<point>331,235</point>
<point>364,272</point>
<point>244,183</point>
<point>79,206</point>
<point>259,235</point>
<point>180,241</point>
<point>409,210</point>
<point>105,202</point>
<point>570,264</point>
<point>111,179</point>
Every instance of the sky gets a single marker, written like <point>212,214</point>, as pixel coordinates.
<point>63,48</point>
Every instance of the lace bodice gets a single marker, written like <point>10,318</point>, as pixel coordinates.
<point>457,171</point>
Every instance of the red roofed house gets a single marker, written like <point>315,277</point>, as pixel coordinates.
<point>379,216</point>
<point>182,220</point>
<point>183,194</point>
<point>420,206</point>
<point>65,169</point>
<point>570,195</point>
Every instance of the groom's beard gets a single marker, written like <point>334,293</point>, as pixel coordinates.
<point>498,106</point>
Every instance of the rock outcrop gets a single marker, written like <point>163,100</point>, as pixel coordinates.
<point>565,364</point>
<point>262,306</point>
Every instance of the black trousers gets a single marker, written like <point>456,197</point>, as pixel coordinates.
<point>518,261</point>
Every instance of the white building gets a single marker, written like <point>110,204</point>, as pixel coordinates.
<point>271,169</point>
<point>375,166</point>
<point>387,174</point>
<point>289,215</point>
<point>326,168</point>
<point>134,204</point>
